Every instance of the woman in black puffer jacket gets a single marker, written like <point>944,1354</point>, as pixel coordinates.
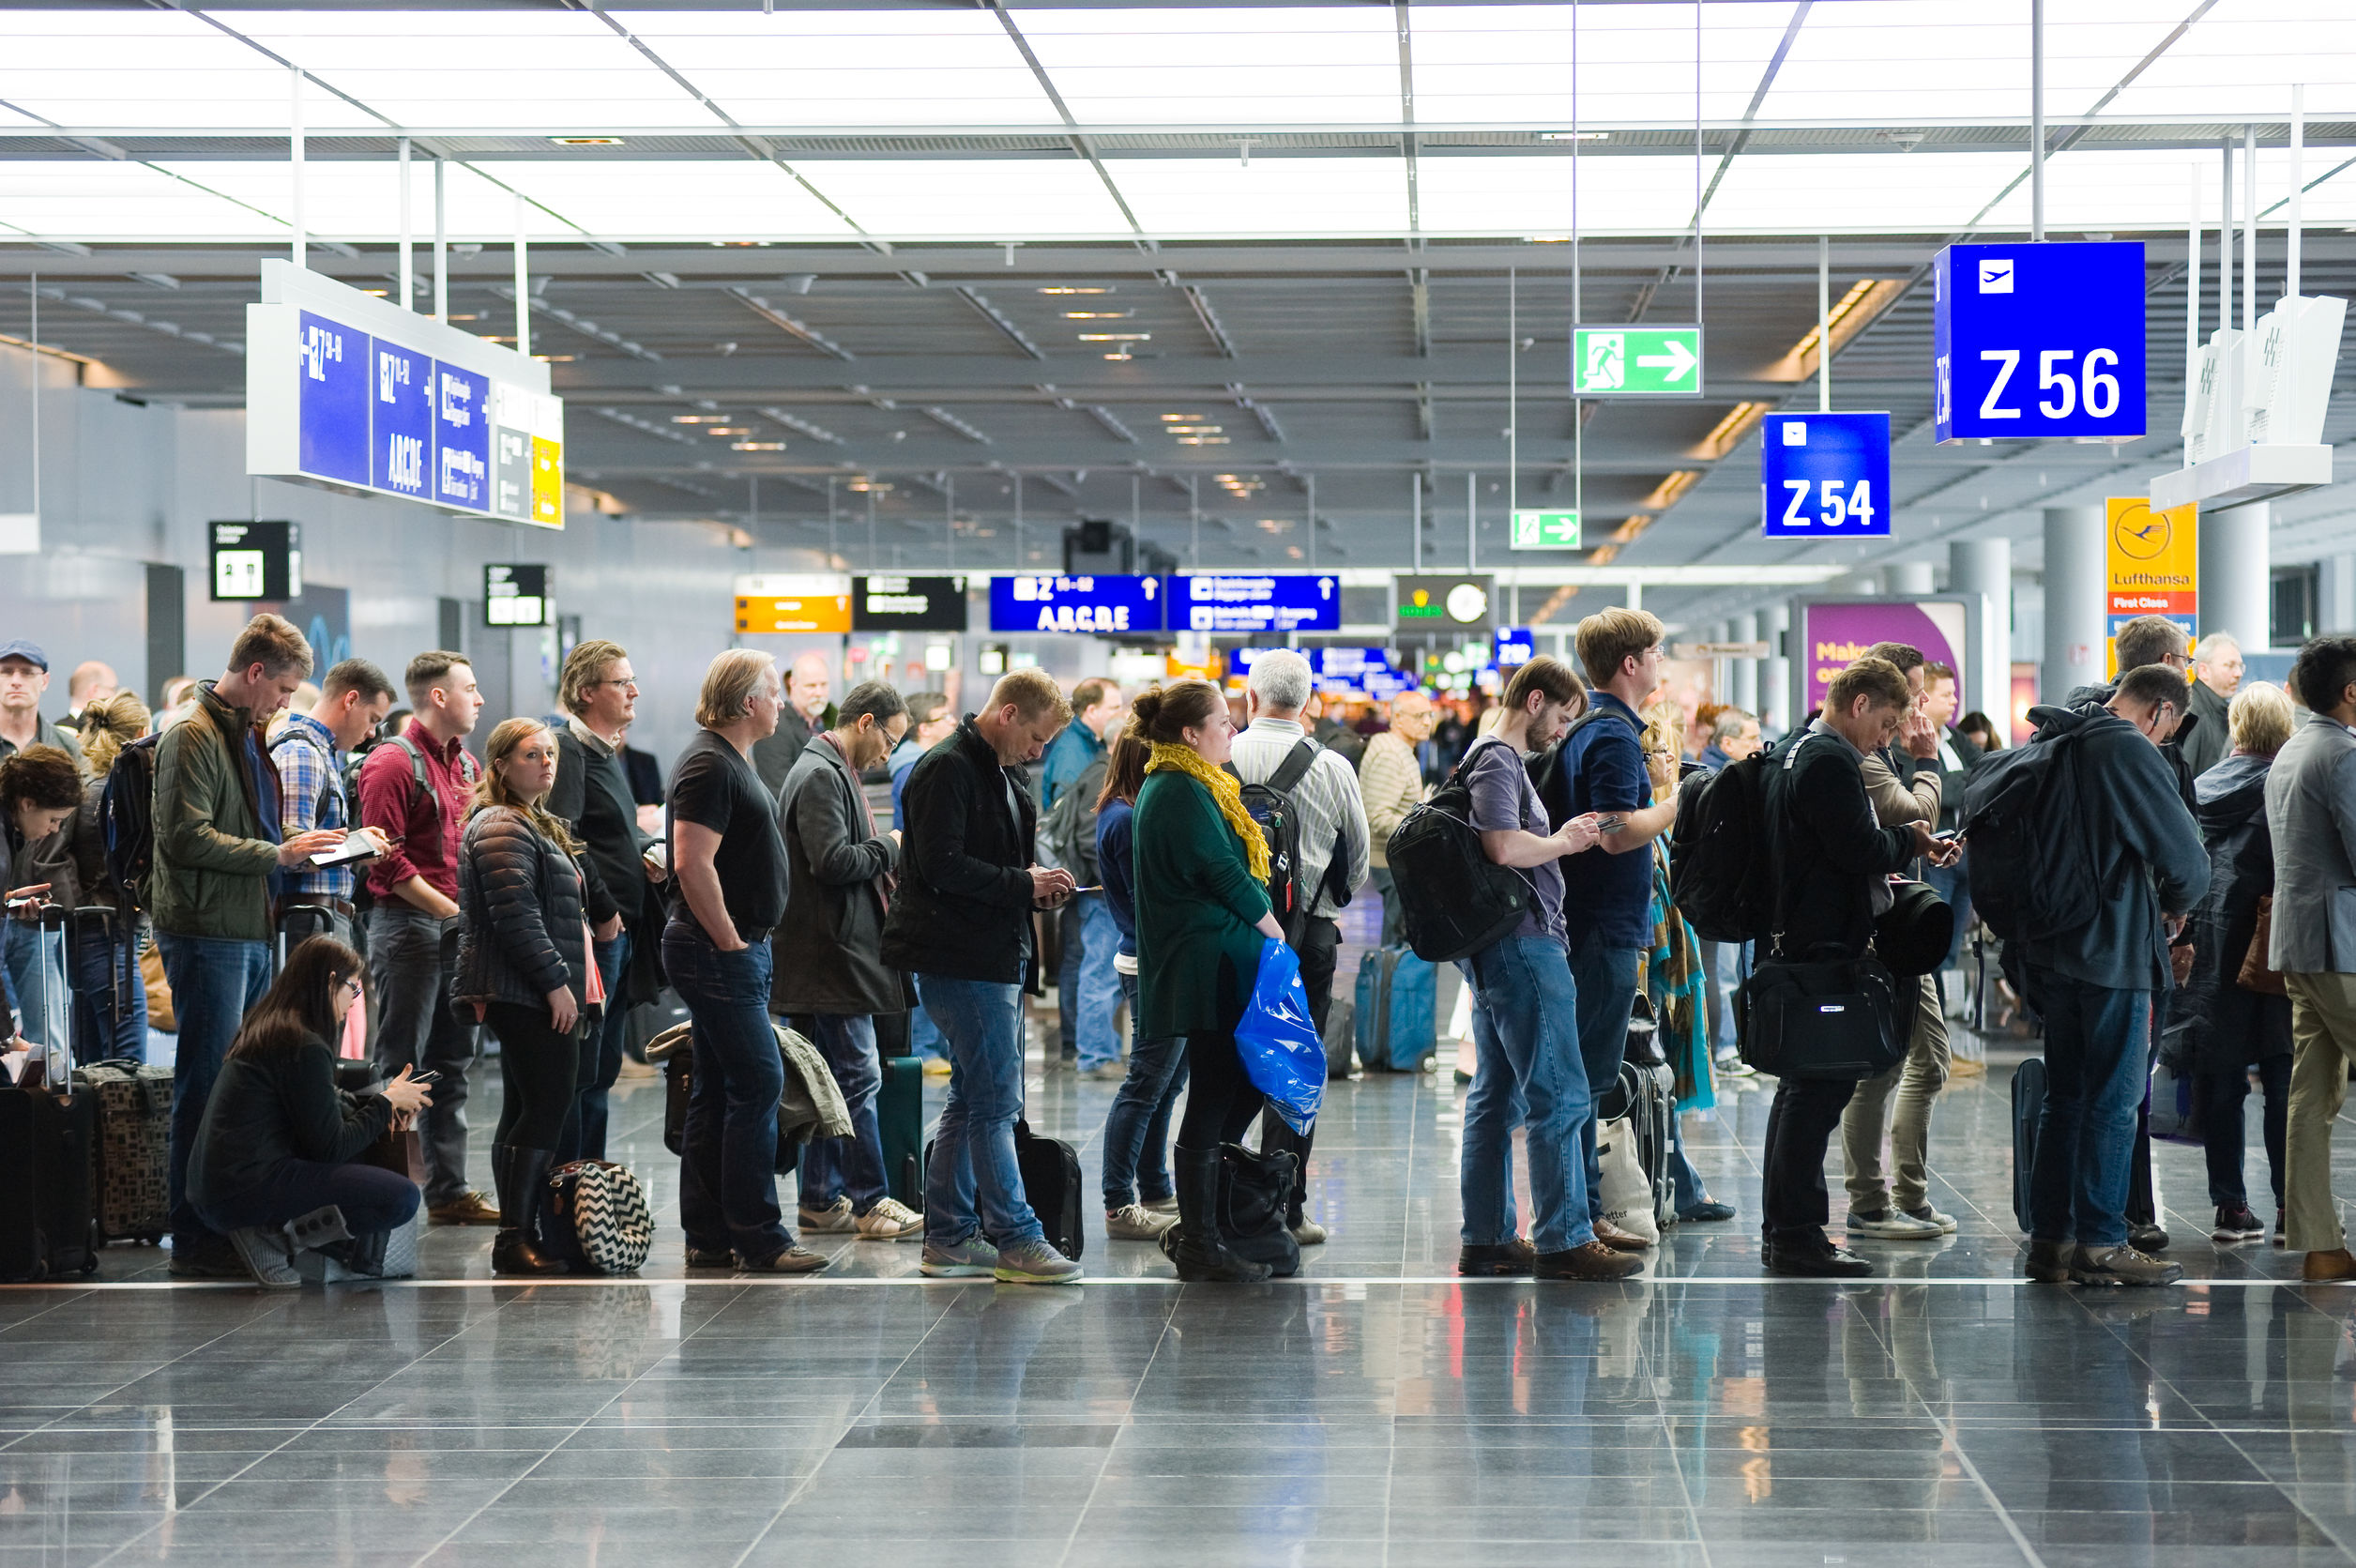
<point>524,968</point>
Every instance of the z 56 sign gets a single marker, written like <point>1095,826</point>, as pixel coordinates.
<point>2039,342</point>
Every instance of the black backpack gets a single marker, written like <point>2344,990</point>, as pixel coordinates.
<point>126,811</point>
<point>1270,805</point>
<point>2032,875</point>
<point>1551,773</point>
<point>1070,826</point>
<point>1720,875</point>
<point>1453,900</point>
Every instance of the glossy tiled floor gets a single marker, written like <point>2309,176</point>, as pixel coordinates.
<point>1376,1412</point>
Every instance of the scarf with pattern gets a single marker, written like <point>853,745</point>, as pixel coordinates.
<point>1226,792</point>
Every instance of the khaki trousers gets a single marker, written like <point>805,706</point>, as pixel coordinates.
<point>2322,1040</point>
<point>1916,1081</point>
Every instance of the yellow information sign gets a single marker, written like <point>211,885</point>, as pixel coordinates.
<point>793,602</point>
<point>2154,567</point>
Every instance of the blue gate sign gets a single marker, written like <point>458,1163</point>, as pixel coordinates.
<point>401,452</point>
<point>461,437</point>
<point>332,399</point>
<point>1825,476</point>
<point>1038,602</point>
<point>2039,342</point>
<point>1256,602</point>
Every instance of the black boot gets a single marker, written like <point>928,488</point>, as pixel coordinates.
<point>1196,1247</point>
<point>520,1174</point>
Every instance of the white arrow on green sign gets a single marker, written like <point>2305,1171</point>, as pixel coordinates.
<point>1545,530</point>
<point>1636,361</point>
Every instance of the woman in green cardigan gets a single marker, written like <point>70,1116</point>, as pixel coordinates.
<point>1202,919</point>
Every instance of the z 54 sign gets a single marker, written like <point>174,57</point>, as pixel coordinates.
<point>2039,342</point>
<point>1825,476</point>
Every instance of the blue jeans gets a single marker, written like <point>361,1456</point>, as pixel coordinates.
<point>214,980</point>
<point>973,1183</point>
<point>728,1158</point>
<point>1531,1052</point>
<point>2096,1062</point>
<point>852,1167</point>
<point>370,1198</point>
<point>1137,1130</point>
<point>1099,982</point>
<point>110,999</point>
<point>588,1141</point>
<point>1606,977</point>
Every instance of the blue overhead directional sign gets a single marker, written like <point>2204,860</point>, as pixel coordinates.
<point>2039,341</point>
<point>1041,603</point>
<point>1257,602</point>
<point>404,390</point>
<point>1825,476</point>
<point>332,397</point>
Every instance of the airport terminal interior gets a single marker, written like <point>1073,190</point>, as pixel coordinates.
<point>924,343</point>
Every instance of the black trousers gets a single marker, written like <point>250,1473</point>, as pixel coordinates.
<point>541,1073</point>
<point>1793,1200</point>
<point>1319,948</point>
<point>1220,1099</point>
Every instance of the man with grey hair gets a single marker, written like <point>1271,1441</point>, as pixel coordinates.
<point>805,714</point>
<point>2217,667</point>
<point>1732,738</point>
<point>1277,752</point>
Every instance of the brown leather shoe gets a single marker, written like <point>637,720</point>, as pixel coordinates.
<point>2326,1267</point>
<point>466,1209</point>
<point>1618,1239</point>
<point>1591,1261</point>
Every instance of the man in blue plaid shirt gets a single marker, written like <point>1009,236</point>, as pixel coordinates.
<point>310,753</point>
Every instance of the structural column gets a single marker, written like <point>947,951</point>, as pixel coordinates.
<point>2236,574</point>
<point>1984,567</point>
<point>1907,578</point>
<point>1745,629</point>
<point>2335,597</point>
<point>2075,595</point>
<point>1775,669</point>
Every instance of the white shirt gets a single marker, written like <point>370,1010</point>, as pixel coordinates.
<point>1331,811</point>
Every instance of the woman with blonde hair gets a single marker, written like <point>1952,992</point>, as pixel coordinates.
<point>108,997</point>
<point>524,968</point>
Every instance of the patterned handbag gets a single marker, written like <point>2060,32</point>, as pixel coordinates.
<point>602,1222</point>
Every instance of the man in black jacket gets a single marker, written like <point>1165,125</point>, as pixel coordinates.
<point>592,795</point>
<point>961,923</point>
<point>1831,867</point>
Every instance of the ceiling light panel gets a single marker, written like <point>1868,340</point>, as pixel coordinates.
<point>872,68</point>
<point>552,71</point>
<point>1512,63</point>
<point>2112,191</point>
<point>1858,193</point>
<point>1274,196</point>
<point>356,201</point>
<point>1230,66</point>
<point>100,68</point>
<point>1522,196</point>
<point>2240,58</point>
<point>683,203</point>
<point>94,201</point>
<point>978,199</point>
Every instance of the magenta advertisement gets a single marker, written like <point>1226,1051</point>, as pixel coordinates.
<point>1835,634</point>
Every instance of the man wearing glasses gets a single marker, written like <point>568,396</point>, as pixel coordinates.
<point>598,691</point>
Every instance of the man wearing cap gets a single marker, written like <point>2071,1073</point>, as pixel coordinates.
<point>24,677</point>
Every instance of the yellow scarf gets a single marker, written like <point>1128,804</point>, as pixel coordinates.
<point>1226,791</point>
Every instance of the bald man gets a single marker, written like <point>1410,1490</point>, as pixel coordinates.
<point>805,714</point>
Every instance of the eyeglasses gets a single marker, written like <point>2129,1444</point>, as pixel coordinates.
<point>353,985</point>
<point>630,685</point>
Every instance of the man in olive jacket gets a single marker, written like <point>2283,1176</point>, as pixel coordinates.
<point>830,980</point>
<point>217,848</point>
<point>961,923</point>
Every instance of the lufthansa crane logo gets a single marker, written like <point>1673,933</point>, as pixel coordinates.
<point>2141,534</point>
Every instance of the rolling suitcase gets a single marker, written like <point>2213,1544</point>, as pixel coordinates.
<point>134,1133</point>
<point>2028,1105</point>
<point>1050,1180</point>
<point>1643,1099</point>
<point>1340,1038</point>
<point>900,1117</point>
<point>47,1141</point>
<point>1397,1010</point>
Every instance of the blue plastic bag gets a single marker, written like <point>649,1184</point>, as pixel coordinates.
<point>1282,1053</point>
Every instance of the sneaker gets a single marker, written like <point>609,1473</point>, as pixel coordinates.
<point>2147,1238</point>
<point>2235,1223</point>
<point>936,1067</point>
<point>1160,1205</point>
<point>835,1219</point>
<point>1591,1260</point>
<point>1034,1262</point>
<point>1135,1222</point>
<point>709,1257</point>
<point>1707,1212</point>
<point>2049,1261</point>
<point>890,1220</point>
<point>1939,1217</point>
<point>1892,1225</point>
<point>1734,1067</point>
<point>466,1209</point>
<point>2123,1265</point>
<point>1107,1071</point>
<point>793,1260</point>
<point>1508,1259</point>
<point>266,1256</point>
<point>1308,1233</point>
<point>1816,1262</point>
<point>972,1258</point>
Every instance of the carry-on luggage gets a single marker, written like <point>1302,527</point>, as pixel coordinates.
<point>1397,1010</point>
<point>1050,1180</point>
<point>47,1145</point>
<point>47,1004</point>
<point>1341,1036</point>
<point>1642,1108</point>
<point>671,1049</point>
<point>135,1136</point>
<point>1830,1019</point>
<point>2028,1106</point>
<point>900,1118</point>
<point>598,1218</point>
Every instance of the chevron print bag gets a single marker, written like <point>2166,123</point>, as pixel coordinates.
<point>602,1222</point>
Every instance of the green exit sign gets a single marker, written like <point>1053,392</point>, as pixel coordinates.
<point>1636,361</point>
<point>1545,530</point>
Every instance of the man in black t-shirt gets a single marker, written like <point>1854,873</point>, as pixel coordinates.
<point>730,863</point>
